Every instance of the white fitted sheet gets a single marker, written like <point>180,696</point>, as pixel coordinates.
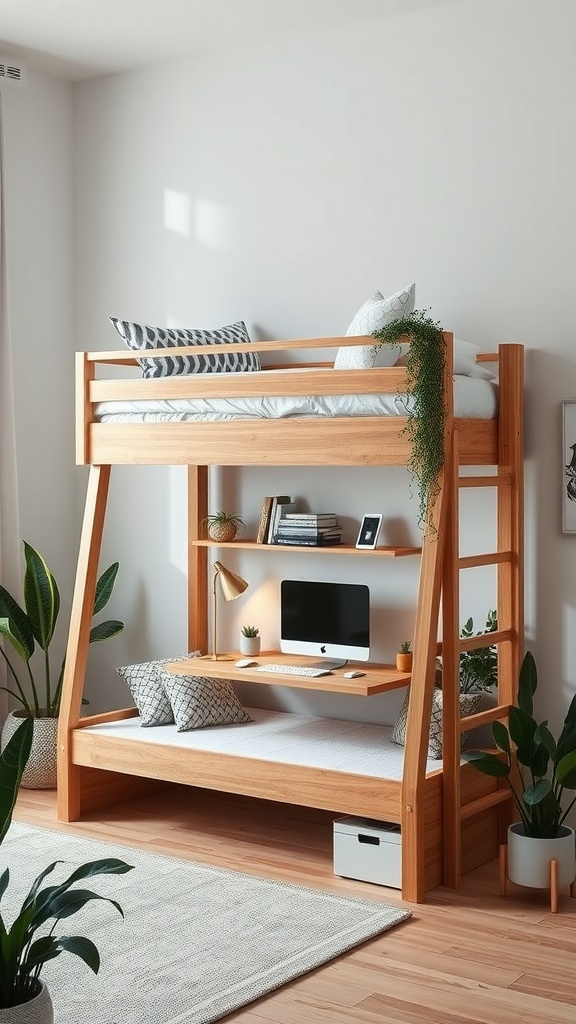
<point>327,743</point>
<point>473,398</point>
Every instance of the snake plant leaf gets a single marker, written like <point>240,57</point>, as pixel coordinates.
<point>566,770</point>
<point>41,597</point>
<point>12,764</point>
<point>104,630</point>
<point>104,587</point>
<point>535,794</point>
<point>15,626</point>
<point>501,737</point>
<point>527,683</point>
<point>489,764</point>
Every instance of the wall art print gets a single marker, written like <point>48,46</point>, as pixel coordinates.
<point>569,467</point>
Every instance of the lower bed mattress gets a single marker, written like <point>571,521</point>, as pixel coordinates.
<point>326,743</point>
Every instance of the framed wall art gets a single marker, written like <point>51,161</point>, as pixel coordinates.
<point>569,467</point>
<point>369,530</point>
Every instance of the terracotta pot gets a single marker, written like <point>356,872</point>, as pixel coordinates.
<point>404,662</point>
<point>38,1010</point>
<point>40,771</point>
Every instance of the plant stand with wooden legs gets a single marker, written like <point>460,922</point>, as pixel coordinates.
<point>553,879</point>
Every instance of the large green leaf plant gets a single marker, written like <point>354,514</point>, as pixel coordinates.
<point>26,629</point>
<point>29,941</point>
<point>537,767</point>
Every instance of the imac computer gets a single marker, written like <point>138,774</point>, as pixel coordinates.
<point>327,620</point>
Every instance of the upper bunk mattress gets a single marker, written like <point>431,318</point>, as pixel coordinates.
<point>473,399</point>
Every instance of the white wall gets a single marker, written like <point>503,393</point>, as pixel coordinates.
<point>38,147</point>
<point>434,146</point>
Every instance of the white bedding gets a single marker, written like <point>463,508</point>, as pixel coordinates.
<point>327,743</point>
<point>472,399</point>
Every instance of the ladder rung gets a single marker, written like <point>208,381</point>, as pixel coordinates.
<point>490,558</point>
<point>499,796</point>
<point>484,717</point>
<point>485,481</point>
<point>474,643</point>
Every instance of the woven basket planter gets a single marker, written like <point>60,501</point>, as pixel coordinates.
<point>40,771</point>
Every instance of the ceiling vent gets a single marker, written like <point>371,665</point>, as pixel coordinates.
<point>11,71</point>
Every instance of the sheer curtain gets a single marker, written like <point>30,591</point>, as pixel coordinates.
<point>10,544</point>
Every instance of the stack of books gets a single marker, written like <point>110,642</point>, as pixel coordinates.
<point>314,529</point>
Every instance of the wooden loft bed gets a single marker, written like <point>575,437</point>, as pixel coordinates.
<point>452,818</point>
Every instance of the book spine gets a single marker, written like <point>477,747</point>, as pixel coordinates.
<point>311,517</point>
<point>303,530</point>
<point>307,542</point>
<point>264,521</point>
<point>278,499</point>
<point>279,512</point>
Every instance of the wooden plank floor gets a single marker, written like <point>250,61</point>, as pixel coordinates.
<point>466,956</point>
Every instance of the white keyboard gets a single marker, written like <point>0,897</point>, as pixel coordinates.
<point>294,670</point>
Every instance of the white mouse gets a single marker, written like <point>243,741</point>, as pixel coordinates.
<point>353,675</point>
<point>245,663</point>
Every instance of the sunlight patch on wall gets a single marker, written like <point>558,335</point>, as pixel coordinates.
<point>177,212</point>
<point>212,224</point>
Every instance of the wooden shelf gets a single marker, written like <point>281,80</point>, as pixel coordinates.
<point>338,549</point>
<point>377,678</point>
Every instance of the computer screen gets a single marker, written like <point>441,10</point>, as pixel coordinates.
<point>330,620</point>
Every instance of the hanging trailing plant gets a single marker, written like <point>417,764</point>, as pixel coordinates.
<point>426,415</point>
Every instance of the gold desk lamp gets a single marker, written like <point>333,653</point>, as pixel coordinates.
<point>232,586</point>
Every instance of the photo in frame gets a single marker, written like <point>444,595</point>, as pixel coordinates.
<point>369,530</point>
<point>569,467</point>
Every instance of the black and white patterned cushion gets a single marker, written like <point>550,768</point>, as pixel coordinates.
<point>469,704</point>
<point>148,693</point>
<point>198,702</point>
<point>147,689</point>
<point>139,337</point>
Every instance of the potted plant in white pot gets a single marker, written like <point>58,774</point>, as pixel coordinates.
<point>29,942</point>
<point>26,630</point>
<point>250,640</point>
<point>538,769</point>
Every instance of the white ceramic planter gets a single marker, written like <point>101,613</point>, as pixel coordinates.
<point>249,645</point>
<point>36,1011</point>
<point>40,771</point>
<point>529,858</point>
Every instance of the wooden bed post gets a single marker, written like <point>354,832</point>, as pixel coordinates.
<point>197,560</point>
<point>79,639</point>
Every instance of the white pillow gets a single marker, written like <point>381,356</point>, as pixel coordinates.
<point>465,361</point>
<point>373,314</point>
<point>465,364</point>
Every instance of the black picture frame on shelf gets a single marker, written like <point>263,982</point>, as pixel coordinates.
<point>369,530</point>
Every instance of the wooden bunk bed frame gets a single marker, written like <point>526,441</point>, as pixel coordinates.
<point>452,819</point>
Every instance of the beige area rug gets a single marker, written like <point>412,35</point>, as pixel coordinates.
<point>196,942</point>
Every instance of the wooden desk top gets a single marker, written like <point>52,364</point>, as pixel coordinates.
<point>377,678</point>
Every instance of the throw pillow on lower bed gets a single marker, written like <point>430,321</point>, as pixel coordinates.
<point>198,702</point>
<point>148,693</point>
<point>469,704</point>
<point>373,314</point>
<point>139,337</point>
<point>147,689</point>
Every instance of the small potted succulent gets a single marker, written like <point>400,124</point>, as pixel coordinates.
<point>404,656</point>
<point>250,640</point>
<point>222,526</point>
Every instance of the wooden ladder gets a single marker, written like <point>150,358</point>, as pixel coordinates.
<point>509,636</point>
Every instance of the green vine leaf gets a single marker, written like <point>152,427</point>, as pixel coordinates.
<point>426,415</point>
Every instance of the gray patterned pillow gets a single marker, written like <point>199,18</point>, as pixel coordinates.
<point>198,702</point>
<point>148,693</point>
<point>147,689</point>
<point>139,337</point>
<point>469,704</point>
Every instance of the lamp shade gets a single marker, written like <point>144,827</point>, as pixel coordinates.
<point>231,584</point>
